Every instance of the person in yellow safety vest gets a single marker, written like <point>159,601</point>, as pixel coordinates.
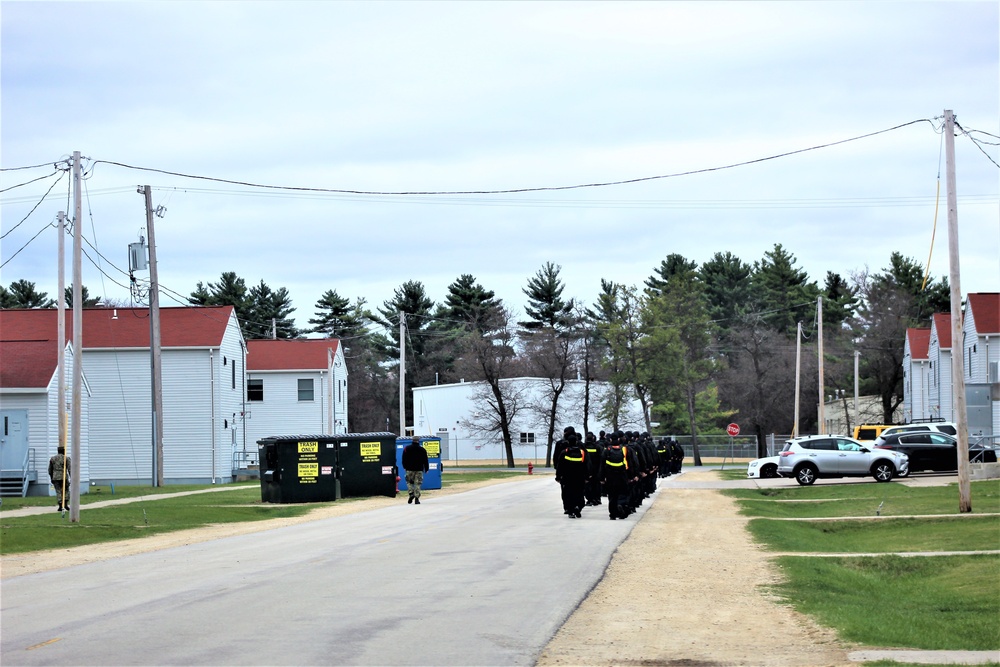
<point>571,472</point>
<point>615,473</point>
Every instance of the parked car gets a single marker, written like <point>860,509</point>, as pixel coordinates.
<point>821,456</point>
<point>764,468</point>
<point>948,428</point>
<point>929,450</point>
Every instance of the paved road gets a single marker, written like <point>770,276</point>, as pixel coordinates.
<point>478,578</point>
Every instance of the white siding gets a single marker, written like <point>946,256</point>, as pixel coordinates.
<point>43,426</point>
<point>446,407</point>
<point>282,413</point>
<point>201,411</point>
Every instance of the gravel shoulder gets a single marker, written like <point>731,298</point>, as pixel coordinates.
<point>688,588</point>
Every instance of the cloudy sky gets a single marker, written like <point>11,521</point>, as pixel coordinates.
<point>477,96</point>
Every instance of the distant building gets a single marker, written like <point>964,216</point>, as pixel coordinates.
<point>294,387</point>
<point>451,411</point>
<point>981,354</point>
<point>29,411</point>
<point>939,357</point>
<point>203,380</point>
<point>916,375</point>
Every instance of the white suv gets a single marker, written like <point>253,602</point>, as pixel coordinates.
<point>809,458</point>
<point>948,428</point>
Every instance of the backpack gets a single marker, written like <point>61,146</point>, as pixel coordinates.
<point>615,457</point>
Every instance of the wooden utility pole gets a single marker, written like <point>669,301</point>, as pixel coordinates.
<point>821,416</point>
<point>798,370</point>
<point>75,419</point>
<point>957,347</point>
<point>61,335</point>
<point>155,364</point>
<point>402,375</point>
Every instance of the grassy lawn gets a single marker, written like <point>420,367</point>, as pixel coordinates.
<point>232,503</point>
<point>892,499</point>
<point>928,603</point>
<point>931,602</point>
<point>877,536</point>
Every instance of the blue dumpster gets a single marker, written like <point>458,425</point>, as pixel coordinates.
<point>432,478</point>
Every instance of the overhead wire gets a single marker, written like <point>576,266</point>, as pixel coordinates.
<point>34,208</point>
<point>976,144</point>
<point>34,180</point>
<point>507,190</point>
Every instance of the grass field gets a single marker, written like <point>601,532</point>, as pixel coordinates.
<point>928,602</point>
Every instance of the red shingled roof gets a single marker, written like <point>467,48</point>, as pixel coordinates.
<point>985,308</point>
<point>28,364</point>
<point>942,322</point>
<point>289,355</point>
<point>201,326</point>
<point>919,342</point>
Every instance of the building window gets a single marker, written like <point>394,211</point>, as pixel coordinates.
<point>233,366</point>
<point>255,390</point>
<point>527,438</point>
<point>305,389</point>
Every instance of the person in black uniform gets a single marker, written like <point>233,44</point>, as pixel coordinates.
<point>615,473</point>
<point>677,455</point>
<point>592,489</point>
<point>571,472</point>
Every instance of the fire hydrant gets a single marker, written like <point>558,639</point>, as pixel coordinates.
<point>530,467</point>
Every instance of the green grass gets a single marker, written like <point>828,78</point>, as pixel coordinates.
<point>932,603</point>
<point>864,500</point>
<point>879,536</point>
<point>103,492</point>
<point>138,519</point>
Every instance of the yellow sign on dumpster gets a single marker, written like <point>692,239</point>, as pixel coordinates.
<point>371,451</point>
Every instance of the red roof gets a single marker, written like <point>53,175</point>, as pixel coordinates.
<point>269,354</point>
<point>942,322</point>
<point>919,342</point>
<point>985,309</point>
<point>196,326</point>
<point>28,364</point>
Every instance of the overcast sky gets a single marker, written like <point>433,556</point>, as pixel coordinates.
<point>476,96</point>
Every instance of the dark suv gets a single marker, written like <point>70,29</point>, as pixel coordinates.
<point>932,451</point>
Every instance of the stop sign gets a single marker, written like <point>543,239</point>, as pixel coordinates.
<point>733,429</point>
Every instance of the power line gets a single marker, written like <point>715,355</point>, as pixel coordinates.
<point>510,190</point>
<point>33,209</point>
<point>47,225</point>
<point>34,180</point>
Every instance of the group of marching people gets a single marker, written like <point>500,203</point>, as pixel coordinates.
<point>623,466</point>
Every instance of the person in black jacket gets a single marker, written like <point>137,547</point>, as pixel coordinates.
<point>415,464</point>
<point>571,472</point>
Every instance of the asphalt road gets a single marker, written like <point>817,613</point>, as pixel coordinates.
<point>478,578</point>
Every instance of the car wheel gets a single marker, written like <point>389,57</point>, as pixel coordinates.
<point>883,471</point>
<point>903,474</point>
<point>769,471</point>
<point>805,475</point>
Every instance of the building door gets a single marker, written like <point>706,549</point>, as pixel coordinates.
<point>13,439</point>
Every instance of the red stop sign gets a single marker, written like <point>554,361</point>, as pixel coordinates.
<point>733,429</point>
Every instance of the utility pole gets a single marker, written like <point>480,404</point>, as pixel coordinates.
<point>331,401</point>
<point>402,375</point>
<point>61,336</point>
<point>957,348</point>
<point>75,420</point>
<point>821,416</point>
<point>155,364</point>
<point>857,415</point>
<point>798,368</point>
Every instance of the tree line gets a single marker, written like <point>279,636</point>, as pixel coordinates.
<point>698,346</point>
